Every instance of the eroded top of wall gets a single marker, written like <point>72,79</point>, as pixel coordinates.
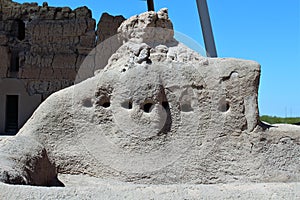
<point>29,11</point>
<point>43,45</point>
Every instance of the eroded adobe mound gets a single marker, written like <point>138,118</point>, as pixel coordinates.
<point>161,113</point>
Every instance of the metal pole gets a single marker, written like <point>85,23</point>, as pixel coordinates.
<point>150,4</point>
<point>206,28</point>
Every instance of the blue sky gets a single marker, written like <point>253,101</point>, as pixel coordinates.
<point>267,31</point>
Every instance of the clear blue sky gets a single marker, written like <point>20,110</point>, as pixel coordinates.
<point>267,31</point>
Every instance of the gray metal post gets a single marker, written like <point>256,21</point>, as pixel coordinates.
<point>150,4</point>
<point>206,28</point>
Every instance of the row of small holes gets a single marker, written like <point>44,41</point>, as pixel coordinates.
<point>223,107</point>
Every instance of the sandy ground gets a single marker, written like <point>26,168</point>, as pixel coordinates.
<point>84,187</point>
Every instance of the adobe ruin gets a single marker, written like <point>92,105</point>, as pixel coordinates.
<point>159,121</point>
<point>42,48</point>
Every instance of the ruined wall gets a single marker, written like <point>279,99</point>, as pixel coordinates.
<point>108,26</point>
<point>44,45</point>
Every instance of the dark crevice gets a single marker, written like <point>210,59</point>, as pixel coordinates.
<point>226,78</point>
<point>168,122</point>
<point>262,139</point>
<point>165,105</point>
<point>245,126</point>
<point>198,87</point>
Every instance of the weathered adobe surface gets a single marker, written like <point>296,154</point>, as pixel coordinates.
<point>57,40</point>
<point>80,187</point>
<point>160,113</point>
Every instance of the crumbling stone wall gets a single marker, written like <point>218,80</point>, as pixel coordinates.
<point>108,26</point>
<point>45,46</point>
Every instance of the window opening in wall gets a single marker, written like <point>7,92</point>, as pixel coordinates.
<point>15,63</point>
<point>11,116</point>
<point>20,29</point>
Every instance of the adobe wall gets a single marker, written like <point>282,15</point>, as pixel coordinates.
<point>108,26</point>
<point>56,41</point>
<point>42,49</point>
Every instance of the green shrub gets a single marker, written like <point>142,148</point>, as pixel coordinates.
<point>279,120</point>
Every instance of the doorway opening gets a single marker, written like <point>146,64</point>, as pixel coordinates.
<point>12,114</point>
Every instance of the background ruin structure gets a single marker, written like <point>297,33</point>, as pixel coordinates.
<point>41,49</point>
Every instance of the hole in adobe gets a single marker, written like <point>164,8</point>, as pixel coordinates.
<point>223,105</point>
<point>106,104</point>
<point>148,107</point>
